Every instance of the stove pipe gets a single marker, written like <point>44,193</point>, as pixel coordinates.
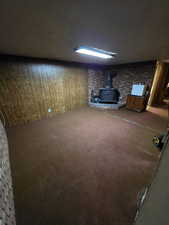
<point>109,78</point>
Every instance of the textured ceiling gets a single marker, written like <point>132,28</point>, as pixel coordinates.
<point>138,30</point>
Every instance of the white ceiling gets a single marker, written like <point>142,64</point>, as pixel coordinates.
<point>138,30</point>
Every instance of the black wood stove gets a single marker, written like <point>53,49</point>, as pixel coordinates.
<point>108,94</point>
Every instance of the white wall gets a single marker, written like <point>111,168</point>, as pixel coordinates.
<point>155,210</point>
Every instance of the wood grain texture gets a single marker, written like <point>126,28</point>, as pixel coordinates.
<point>29,88</point>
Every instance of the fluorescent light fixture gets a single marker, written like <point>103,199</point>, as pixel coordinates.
<point>95,52</point>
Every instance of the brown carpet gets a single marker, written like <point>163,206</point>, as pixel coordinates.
<point>84,167</point>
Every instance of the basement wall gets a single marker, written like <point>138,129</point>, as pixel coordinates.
<point>7,215</point>
<point>127,74</point>
<point>154,210</point>
<point>30,87</point>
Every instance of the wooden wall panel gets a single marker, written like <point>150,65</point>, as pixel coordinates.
<point>158,86</point>
<point>29,88</point>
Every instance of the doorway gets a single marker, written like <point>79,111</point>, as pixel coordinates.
<point>159,95</point>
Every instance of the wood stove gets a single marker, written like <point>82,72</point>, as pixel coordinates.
<point>108,94</point>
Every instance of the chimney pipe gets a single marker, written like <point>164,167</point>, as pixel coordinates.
<point>109,78</point>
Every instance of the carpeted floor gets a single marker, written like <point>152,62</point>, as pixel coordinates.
<point>84,167</point>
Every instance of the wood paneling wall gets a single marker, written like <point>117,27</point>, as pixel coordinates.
<point>28,88</point>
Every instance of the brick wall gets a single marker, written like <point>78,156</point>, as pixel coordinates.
<point>95,81</point>
<point>7,215</point>
<point>126,76</point>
